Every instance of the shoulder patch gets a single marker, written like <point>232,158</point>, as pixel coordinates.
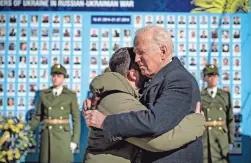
<point>46,90</point>
<point>70,91</point>
<point>203,91</point>
<point>223,94</point>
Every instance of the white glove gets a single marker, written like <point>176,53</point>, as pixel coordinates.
<point>73,146</point>
<point>230,147</point>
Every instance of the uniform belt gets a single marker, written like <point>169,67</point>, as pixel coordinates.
<point>215,123</point>
<point>56,121</point>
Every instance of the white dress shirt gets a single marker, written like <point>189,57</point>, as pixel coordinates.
<point>57,91</point>
<point>212,91</point>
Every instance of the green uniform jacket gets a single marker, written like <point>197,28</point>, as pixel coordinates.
<point>121,97</point>
<point>216,139</point>
<point>55,139</point>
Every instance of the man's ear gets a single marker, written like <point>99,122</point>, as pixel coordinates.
<point>131,76</point>
<point>164,52</point>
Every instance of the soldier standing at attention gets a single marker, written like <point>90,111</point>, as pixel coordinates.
<point>218,138</point>
<point>53,110</point>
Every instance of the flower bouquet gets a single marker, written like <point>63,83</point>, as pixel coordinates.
<point>16,139</point>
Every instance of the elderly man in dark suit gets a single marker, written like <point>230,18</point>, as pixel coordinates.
<point>170,95</point>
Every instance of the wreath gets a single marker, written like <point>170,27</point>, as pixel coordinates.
<point>16,139</point>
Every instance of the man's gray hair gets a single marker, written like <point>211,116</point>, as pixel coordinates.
<point>156,35</point>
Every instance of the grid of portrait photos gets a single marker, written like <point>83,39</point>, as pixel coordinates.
<point>33,43</point>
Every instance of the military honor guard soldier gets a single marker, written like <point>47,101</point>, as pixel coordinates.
<point>218,138</point>
<point>53,110</point>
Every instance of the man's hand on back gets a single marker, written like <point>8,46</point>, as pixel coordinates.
<point>94,118</point>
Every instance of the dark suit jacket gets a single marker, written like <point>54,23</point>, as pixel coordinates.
<point>171,95</point>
